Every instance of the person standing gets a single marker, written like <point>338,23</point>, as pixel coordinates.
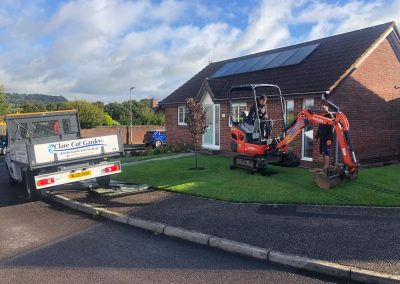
<point>325,137</point>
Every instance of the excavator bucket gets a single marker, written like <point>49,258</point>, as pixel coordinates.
<point>330,178</point>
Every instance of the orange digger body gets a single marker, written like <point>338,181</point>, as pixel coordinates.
<point>256,151</point>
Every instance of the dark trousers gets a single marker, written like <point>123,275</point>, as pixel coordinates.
<point>266,128</point>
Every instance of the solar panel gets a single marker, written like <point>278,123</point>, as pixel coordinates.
<point>301,54</point>
<point>222,71</point>
<point>248,64</point>
<point>237,67</point>
<point>263,62</point>
<point>273,60</point>
<point>281,58</point>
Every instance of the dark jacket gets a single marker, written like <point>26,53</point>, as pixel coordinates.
<point>262,113</point>
<point>324,133</point>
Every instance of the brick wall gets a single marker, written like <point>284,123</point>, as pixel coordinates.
<point>371,102</point>
<point>138,132</point>
<point>175,133</point>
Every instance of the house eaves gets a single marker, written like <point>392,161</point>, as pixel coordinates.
<point>364,55</point>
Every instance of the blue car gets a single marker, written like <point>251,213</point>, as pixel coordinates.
<point>155,138</point>
<point>3,144</point>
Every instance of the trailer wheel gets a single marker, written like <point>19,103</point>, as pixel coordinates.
<point>29,185</point>
<point>103,181</point>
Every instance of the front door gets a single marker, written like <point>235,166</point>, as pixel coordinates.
<point>211,136</point>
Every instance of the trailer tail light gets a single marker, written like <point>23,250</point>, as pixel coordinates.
<point>111,169</point>
<point>45,181</point>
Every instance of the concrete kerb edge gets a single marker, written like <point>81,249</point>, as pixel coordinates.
<point>367,276</point>
<point>323,267</point>
<point>147,225</point>
<point>239,248</point>
<point>114,216</point>
<point>305,263</point>
<point>191,236</point>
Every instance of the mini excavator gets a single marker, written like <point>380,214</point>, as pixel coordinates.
<point>256,147</point>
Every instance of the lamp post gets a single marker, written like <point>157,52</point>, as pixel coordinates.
<point>130,109</point>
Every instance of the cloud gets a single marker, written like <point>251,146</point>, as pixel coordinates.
<point>328,19</point>
<point>98,49</point>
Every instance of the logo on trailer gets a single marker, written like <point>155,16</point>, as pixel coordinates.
<point>61,147</point>
<point>51,148</point>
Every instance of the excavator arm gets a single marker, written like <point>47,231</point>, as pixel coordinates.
<point>340,125</point>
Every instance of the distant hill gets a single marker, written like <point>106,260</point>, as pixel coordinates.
<point>19,99</point>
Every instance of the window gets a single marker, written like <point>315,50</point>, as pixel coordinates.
<point>45,128</point>
<point>22,132</point>
<point>236,110</point>
<point>66,126</point>
<point>216,122</point>
<point>182,113</point>
<point>308,135</point>
<point>289,111</point>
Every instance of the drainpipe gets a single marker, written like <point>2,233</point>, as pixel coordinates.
<point>324,98</point>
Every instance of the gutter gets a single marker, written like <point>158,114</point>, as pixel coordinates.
<point>296,95</point>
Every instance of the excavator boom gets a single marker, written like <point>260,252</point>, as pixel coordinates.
<point>339,123</point>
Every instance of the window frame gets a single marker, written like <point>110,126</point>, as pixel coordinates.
<point>182,123</point>
<point>238,105</point>
<point>287,112</point>
<point>304,158</point>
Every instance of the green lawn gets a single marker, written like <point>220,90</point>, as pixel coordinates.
<point>375,186</point>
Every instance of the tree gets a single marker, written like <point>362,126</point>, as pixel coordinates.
<point>108,121</point>
<point>33,107</point>
<point>119,112</point>
<point>142,114</point>
<point>196,122</point>
<point>56,106</point>
<point>100,105</point>
<point>149,117</point>
<point>90,115</point>
<point>4,105</point>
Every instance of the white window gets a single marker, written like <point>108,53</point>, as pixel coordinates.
<point>236,110</point>
<point>308,135</point>
<point>182,113</point>
<point>289,111</point>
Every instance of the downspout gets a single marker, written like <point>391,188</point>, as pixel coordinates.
<point>324,98</point>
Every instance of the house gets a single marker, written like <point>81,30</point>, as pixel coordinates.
<point>358,72</point>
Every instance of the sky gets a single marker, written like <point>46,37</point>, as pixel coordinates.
<point>98,49</point>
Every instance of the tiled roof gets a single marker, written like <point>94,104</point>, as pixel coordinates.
<point>320,70</point>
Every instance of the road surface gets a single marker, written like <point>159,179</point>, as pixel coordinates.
<point>43,242</point>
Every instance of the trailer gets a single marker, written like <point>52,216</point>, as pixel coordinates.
<point>46,149</point>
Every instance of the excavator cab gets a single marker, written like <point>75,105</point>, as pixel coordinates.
<point>248,130</point>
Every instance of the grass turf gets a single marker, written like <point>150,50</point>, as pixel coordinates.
<point>375,186</point>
